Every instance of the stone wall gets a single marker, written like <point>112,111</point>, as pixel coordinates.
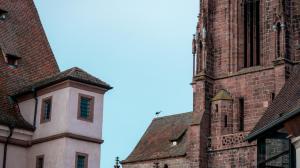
<point>171,163</point>
<point>243,157</point>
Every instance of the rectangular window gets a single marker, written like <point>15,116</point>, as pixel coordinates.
<point>81,160</point>
<point>217,108</point>
<point>242,113</point>
<point>272,96</point>
<point>46,110</point>
<point>86,107</point>
<point>40,161</point>
<point>226,121</point>
<point>251,33</point>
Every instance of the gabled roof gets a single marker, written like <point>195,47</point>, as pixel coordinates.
<point>285,106</point>
<point>156,143</point>
<point>75,74</point>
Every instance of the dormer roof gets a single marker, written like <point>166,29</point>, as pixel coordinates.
<point>222,95</point>
<point>13,56</point>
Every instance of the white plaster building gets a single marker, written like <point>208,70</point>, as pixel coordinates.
<point>48,118</point>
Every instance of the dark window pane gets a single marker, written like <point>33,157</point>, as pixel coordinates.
<point>242,113</point>
<point>85,106</point>
<point>47,110</point>
<point>40,162</point>
<point>11,61</point>
<point>251,33</point>
<point>80,161</point>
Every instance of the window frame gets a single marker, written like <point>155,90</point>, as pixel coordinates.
<point>37,160</point>
<point>90,118</point>
<point>86,159</point>
<point>43,120</point>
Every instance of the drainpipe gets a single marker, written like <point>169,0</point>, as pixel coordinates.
<point>35,106</point>
<point>11,130</point>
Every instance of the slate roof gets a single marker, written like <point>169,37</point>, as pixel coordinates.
<point>75,74</point>
<point>156,143</point>
<point>285,105</point>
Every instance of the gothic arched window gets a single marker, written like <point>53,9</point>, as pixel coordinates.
<point>251,33</point>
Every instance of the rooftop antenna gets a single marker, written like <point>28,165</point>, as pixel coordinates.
<point>157,113</point>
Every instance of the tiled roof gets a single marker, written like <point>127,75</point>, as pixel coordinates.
<point>12,117</point>
<point>75,74</point>
<point>156,143</point>
<point>22,34</point>
<point>285,105</point>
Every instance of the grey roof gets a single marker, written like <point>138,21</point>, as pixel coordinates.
<point>74,73</point>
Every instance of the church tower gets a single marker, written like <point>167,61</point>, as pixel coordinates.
<point>244,51</point>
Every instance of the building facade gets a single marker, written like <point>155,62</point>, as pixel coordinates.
<point>244,52</point>
<point>48,118</point>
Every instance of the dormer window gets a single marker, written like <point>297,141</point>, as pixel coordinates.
<point>176,137</point>
<point>3,14</point>
<point>12,60</point>
<point>174,143</point>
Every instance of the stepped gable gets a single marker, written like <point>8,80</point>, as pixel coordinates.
<point>157,142</point>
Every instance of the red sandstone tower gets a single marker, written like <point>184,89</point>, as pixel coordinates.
<point>244,51</point>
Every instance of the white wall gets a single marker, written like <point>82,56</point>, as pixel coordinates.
<point>92,149</point>
<point>27,110</point>
<point>16,156</point>
<point>61,153</point>
<point>53,151</point>
<point>60,108</point>
<point>90,129</point>
<point>64,114</point>
<point>296,143</point>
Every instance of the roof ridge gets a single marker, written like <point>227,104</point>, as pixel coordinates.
<point>172,115</point>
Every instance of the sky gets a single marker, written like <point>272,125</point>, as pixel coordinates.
<point>140,47</point>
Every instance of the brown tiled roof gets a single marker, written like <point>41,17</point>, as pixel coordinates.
<point>75,74</point>
<point>156,143</point>
<point>22,34</point>
<point>285,105</point>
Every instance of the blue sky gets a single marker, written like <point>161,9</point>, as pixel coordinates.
<point>141,47</point>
